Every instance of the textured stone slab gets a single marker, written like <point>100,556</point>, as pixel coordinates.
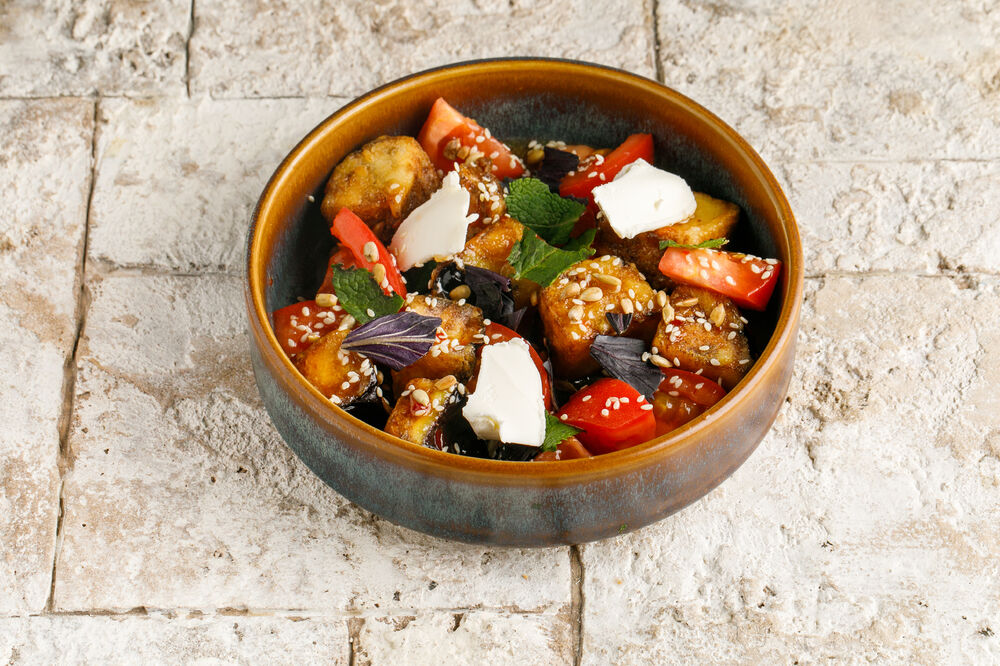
<point>314,48</point>
<point>160,639</point>
<point>465,638</point>
<point>178,179</point>
<point>86,47</point>
<point>867,525</point>
<point>893,216</point>
<point>842,80</point>
<point>44,180</point>
<point>180,480</point>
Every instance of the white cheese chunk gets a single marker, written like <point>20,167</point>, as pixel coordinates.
<point>435,228</point>
<point>642,198</point>
<point>507,404</point>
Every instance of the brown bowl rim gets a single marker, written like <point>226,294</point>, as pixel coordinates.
<point>503,472</point>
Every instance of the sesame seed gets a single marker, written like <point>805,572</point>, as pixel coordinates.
<point>370,251</point>
<point>744,361</point>
<point>370,312</point>
<point>345,386</point>
<point>730,280</point>
<point>586,398</point>
<point>704,348</point>
<point>714,361</point>
<point>393,186</point>
<point>687,302</point>
<point>326,300</point>
<point>576,313</point>
<point>573,290</point>
<point>659,361</point>
<point>563,417</point>
<point>732,334</point>
<point>646,407</point>
<point>627,307</point>
<point>605,412</point>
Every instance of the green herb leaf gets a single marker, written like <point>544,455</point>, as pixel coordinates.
<point>556,432</point>
<point>707,245</point>
<point>531,202</point>
<point>359,294</point>
<point>581,241</point>
<point>534,259</point>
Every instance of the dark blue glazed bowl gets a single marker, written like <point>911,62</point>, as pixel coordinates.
<point>529,503</point>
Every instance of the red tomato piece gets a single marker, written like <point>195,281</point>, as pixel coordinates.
<point>445,123</point>
<point>604,168</point>
<point>672,413</point>
<point>300,324</point>
<point>699,390</point>
<point>611,415</point>
<point>571,449</point>
<point>352,231</point>
<point>746,279</point>
<point>498,333</point>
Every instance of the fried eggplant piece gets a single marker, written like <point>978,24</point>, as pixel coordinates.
<point>490,248</point>
<point>713,218</point>
<point>342,376</point>
<point>454,352</point>
<point>421,407</point>
<point>574,306</point>
<point>485,196</point>
<point>381,182</point>
<point>706,335</point>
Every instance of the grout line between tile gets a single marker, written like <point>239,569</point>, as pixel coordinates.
<point>187,51</point>
<point>576,602</point>
<point>656,41</point>
<point>70,369</point>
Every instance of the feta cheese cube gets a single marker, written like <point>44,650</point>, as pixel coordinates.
<point>642,198</point>
<point>507,404</point>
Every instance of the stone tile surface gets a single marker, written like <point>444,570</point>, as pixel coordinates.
<point>83,47</point>
<point>250,50</point>
<point>865,527</point>
<point>479,637</point>
<point>890,216</point>
<point>844,80</point>
<point>160,639</point>
<point>177,179</point>
<point>44,181</point>
<point>180,479</point>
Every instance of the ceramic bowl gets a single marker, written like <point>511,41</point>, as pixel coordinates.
<point>521,503</point>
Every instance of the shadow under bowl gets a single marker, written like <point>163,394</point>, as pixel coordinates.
<point>499,502</point>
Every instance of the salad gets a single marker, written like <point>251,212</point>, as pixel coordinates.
<point>555,302</point>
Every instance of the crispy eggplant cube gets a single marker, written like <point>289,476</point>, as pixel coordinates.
<point>485,195</point>
<point>713,218</point>
<point>573,310</point>
<point>490,248</point>
<point>342,376</point>
<point>421,407</point>
<point>454,352</point>
<point>705,335</point>
<point>382,182</point>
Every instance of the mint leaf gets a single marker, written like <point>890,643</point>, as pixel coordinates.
<point>556,432</point>
<point>533,204</point>
<point>534,259</point>
<point>359,294</point>
<point>581,241</point>
<point>707,245</point>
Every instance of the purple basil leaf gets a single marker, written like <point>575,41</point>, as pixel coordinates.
<point>619,321</point>
<point>512,320</point>
<point>556,164</point>
<point>622,358</point>
<point>490,291</point>
<point>397,340</point>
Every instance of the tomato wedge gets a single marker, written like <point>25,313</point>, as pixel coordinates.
<point>699,390</point>
<point>570,449</point>
<point>671,413</point>
<point>611,415</point>
<point>604,168</point>
<point>299,325</point>
<point>746,279</point>
<point>445,123</point>
<point>352,231</point>
<point>499,333</point>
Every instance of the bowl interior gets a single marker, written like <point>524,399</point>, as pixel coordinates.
<point>520,100</point>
